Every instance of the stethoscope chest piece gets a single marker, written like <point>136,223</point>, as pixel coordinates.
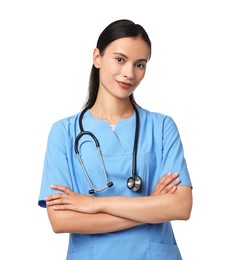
<point>134,183</point>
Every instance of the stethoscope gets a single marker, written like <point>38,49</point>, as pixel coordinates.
<point>134,182</point>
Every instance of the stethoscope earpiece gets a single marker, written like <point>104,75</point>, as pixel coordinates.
<point>110,184</point>
<point>92,191</point>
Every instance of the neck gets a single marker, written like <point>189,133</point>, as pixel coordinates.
<point>112,111</point>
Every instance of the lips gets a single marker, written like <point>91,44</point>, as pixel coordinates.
<point>124,85</point>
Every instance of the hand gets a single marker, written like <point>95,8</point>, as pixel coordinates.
<point>69,200</point>
<point>167,184</point>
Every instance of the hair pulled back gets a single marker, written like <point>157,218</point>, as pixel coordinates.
<point>116,30</point>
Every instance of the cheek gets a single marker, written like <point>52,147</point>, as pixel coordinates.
<point>109,70</point>
<point>140,75</point>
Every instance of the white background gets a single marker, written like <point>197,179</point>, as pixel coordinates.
<point>45,59</point>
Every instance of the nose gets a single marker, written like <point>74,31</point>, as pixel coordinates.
<point>128,71</point>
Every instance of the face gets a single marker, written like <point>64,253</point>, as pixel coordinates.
<point>122,66</point>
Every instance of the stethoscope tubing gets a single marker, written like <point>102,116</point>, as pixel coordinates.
<point>134,182</point>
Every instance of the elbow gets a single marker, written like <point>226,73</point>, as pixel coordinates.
<point>57,221</point>
<point>185,204</point>
<point>57,226</point>
<point>185,211</point>
<point>185,215</point>
<point>57,229</point>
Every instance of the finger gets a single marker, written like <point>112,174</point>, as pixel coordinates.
<point>62,207</point>
<point>67,207</point>
<point>170,188</point>
<point>160,184</point>
<point>58,201</point>
<point>166,183</point>
<point>61,188</point>
<point>174,188</point>
<point>166,180</point>
<point>55,196</point>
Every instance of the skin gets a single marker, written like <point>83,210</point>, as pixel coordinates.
<point>122,67</point>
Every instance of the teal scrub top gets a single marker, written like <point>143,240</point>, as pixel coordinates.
<point>159,151</point>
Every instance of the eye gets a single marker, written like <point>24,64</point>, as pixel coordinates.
<point>119,59</point>
<point>141,65</point>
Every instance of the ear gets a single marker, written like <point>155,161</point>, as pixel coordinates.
<point>96,58</point>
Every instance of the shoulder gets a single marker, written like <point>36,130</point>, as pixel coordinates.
<point>156,118</point>
<point>64,126</point>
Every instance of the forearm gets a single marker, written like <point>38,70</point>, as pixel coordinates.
<point>73,212</point>
<point>150,209</point>
<point>66,221</point>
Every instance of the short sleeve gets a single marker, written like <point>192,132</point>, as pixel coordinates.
<point>173,159</point>
<point>56,170</point>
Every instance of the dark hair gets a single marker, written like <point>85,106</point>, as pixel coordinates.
<point>116,30</point>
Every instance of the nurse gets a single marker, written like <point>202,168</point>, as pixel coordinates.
<point>116,187</point>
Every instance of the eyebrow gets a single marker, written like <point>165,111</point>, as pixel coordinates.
<point>125,56</point>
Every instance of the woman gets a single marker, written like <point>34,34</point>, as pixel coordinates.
<point>115,174</point>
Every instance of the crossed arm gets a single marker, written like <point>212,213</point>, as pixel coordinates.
<point>70,212</point>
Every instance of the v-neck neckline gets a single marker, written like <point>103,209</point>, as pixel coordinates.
<point>122,136</point>
<point>116,125</point>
